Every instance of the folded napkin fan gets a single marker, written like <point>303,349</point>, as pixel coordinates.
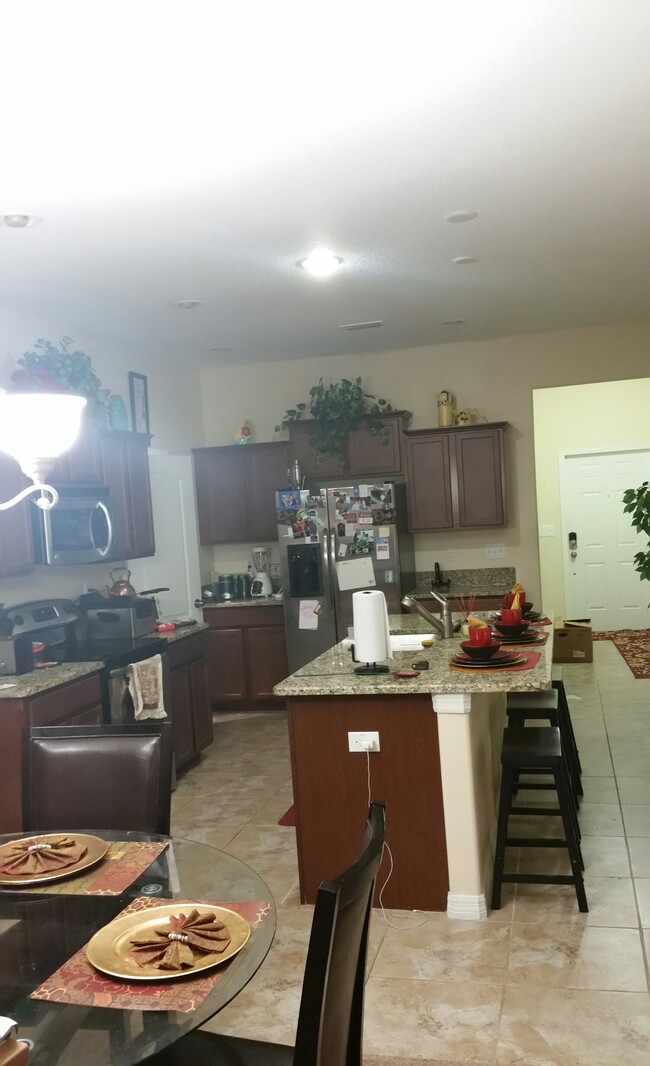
<point>175,945</point>
<point>145,681</point>
<point>41,855</point>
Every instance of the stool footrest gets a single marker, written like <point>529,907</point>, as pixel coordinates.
<point>536,810</point>
<point>538,879</point>
<point>535,842</point>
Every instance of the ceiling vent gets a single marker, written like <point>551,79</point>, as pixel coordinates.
<point>362,325</point>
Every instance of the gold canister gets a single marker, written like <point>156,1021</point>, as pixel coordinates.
<point>445,408</point>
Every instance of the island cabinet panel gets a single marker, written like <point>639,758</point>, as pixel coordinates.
<point>191,710</point>
<point>16,550</point>
<point>456,478</point>
<point>235,491</point>
<point>331,793</point>
<point>77,703</point>
<point>366,453</point>
<point>247,656</point>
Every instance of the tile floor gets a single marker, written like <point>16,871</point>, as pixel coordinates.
<point>537,983</point>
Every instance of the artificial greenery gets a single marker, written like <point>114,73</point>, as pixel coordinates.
<point>337,409</point>
<point>52,369</point>
<point>637,503</point>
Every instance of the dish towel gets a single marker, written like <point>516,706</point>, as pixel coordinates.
<point>145,680</point>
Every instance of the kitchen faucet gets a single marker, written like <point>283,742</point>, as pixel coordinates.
<point>444,625</point>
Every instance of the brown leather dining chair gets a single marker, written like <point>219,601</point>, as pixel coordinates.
<point>330,1020</point>
<point>97,777</point>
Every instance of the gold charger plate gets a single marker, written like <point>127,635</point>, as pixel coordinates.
<point>95,852</point>
<point>109,950</point>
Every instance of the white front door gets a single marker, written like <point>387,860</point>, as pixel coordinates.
<point>599,576</point>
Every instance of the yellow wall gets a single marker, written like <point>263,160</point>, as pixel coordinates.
<point>496,376</point>
<point>613,415</point>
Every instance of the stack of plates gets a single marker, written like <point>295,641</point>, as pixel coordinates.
<point>529,636</point>
<point>531,616</point>
<point>501,661</point>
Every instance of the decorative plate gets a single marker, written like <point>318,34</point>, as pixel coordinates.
<point>95,852</point>
<point>109,950</point>
<point>500,661</point>
<point>529,637</point>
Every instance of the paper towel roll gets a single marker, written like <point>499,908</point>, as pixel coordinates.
<point>371,630</point>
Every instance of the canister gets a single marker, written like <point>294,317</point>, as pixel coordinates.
<point>445,408</point>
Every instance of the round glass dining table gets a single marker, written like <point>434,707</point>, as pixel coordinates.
<point>39,932</point>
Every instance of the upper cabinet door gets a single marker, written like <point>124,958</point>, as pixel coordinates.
<point>221,494</point>
<point>429,497</point>
<point>373,454</point>
<point>16,551</point>
<point>480,477</point>
<point>266,472</point>
<point>124,467</point>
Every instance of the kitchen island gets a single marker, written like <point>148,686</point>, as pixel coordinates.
<point>438,768</point>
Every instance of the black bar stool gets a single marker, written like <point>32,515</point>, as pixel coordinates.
<point>550,705</point>
<point>541,749</point>
<point>563,708</point>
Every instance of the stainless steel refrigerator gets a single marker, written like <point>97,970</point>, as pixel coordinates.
<point>333,542</point>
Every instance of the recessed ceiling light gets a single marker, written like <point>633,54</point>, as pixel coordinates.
<point>461,216</point>
<point>454,322</point>
<point>465,260</point>
<point>320,263</point>
<point>375,324</point>
<point>16,221</point>
<point>186,305</point>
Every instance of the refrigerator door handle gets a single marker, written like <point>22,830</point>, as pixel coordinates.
<point>331,564</point>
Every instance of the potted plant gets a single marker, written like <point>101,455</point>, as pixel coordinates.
<point>337,410</point>
<point>52,369</point>
<point>637,503</point>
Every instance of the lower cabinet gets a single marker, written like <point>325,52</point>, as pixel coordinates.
<point>77,703</point>
<point>247,655</point>
<point>191,709</point>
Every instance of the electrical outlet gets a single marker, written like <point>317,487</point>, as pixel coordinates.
<point>363,741</point>
<point>546,531</point>
<point>496,551</point>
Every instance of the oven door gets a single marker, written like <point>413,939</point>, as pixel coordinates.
<point>78,530</point>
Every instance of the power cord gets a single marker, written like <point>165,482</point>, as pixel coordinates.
<point>386,848</point>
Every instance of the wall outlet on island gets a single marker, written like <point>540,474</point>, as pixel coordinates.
<point>368,741</point>
<point>496,551</point>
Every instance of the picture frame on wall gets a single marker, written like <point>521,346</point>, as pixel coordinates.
<point>139,398</point>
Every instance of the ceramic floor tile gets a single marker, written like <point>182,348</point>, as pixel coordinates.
<point>445,950</point>
<point>630,765</point>
<point>549,1027</point>
<point>611,903</point>
<point>425,1021</point>
<point>642,887</point>
<point>634,724</point>
<point>636,818</point>
<point>215,836</point>
<point>603,857</point>
<point>577,957</point>
<point>601,819</point>
<point>597,789</point>
<point>640,856</point>
<point>634,789</point>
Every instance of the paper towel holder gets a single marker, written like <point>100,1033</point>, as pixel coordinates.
<point>368,668</point>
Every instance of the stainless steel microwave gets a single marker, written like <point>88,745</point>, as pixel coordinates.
<point>79,529</point>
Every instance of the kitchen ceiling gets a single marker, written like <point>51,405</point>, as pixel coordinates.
<point>197,151</point>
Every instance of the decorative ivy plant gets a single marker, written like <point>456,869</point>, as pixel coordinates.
<point>337,410</point>
<point>637,503</point>
<point>49,368</point>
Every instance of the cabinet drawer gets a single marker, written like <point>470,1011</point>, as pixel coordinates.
<point>65,702</point>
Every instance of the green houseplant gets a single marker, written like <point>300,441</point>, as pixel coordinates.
<point>337,410</point>
<point>637,503</point>
<point>52,369</point>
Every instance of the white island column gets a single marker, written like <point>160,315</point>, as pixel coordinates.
<point>470,731</point>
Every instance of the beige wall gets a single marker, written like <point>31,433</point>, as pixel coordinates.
<point>603,416</point>
<point>496,376</point>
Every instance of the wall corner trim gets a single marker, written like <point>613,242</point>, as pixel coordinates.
<point>452,702</point>
<point>466,908</point>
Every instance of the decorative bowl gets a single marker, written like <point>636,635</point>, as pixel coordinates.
<point>513,630</point>
<point>480,651</point>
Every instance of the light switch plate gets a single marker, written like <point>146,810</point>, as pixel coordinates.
<point>496,551</point>
<point>547,531</point>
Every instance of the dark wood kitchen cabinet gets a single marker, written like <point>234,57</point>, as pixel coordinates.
<point>76,703</point>
<point>235,491</point>
<point>191,709</point>
<point>120,460</point>
<point>247,655</point>
<point>16,551</point>
<point>456,478</point>
<point>366,454</point>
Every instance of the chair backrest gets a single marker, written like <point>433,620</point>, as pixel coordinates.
<point>97,777</point>
<point>330,1021</point>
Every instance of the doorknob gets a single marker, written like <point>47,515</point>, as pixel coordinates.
<point>573,545</point>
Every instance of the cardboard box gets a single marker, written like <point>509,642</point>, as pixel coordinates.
<point>573,641</point>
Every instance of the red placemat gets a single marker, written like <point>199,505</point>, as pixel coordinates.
<point>532,658</point>
<point>123,863</point>
<point>78,982</point>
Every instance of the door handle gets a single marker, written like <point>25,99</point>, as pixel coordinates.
<point>573,545</point>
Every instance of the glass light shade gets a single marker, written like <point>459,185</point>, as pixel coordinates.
<point>38,426</point>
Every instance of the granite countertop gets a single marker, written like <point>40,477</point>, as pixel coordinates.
<point>184,631</point>
<point>257,601</point>
<point>332,673</point>
<point>20,686</point>
<point>488,581</point>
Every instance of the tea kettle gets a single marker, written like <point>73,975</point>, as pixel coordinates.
<point>121,585</point>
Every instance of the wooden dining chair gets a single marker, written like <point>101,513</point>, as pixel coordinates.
<point>330,1020</point>
<point>97,777</point>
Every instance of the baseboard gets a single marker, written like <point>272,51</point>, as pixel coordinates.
<point>467,908</point>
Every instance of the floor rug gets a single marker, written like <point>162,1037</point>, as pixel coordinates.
<point>634,646</point>
<point>289,817</point>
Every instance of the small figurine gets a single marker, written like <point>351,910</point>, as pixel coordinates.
<point>244,433</point>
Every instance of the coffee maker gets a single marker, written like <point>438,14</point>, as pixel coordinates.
<point>261,578</point>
